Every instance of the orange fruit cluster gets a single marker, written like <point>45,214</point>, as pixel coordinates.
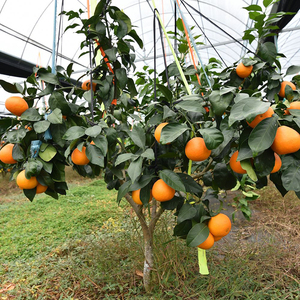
<point>282,88</point>
<point>219,226</point>
<point>86,85</point>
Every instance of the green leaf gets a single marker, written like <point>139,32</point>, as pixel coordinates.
<point>168,112</point>
<point>197,235</point>
<point>224,179</point>
<point>253,7</point>
<point>172,179</point>
<point>290,173</point>
<point>8,87</point>
<point>148,153</point>
<point>58,131</point>
<point>190,105</point>
<point>57,100</point>
<point>55,117</point>
<point>48,152</point>
<point>31,114</point>
<point>124,157</point>
<point>138,136</point>
<point>292,70</point>
<point>121,76</point>
<point>165,91</point>
<point>5,123</point>
<point>16,136</point>
<point>93,131</point>
<point>262,136</point>
<point>135,36</point>
<point>101,142</point>
<point>264,163</point>
<point>123,17</point>
<point>41,126</point>
<point>135,169</point>
<point>267,2</point>
<point>186,212</point>
<point>246,165</point>
<point>213,137</point>
<point>254,108</point>
<point>123,190</point>
<point>33,168</point>
<point>30,194</point>
<point>141,182</point>
<point>191,186</point>
<point>172,131</point>
<point>18,153</point>
<point>47,76</point>
<point>111,54</point>
<point>267,52</point>
<point>179,24</point>
<point>74,133</point>
<point>183,228</point>
<point>95,156</point>
<point>220,102</point>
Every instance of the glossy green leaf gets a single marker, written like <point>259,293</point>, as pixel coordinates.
<point>74,132</point>
<point>165,91</point>
<point>197,235</point>
<point>94,155</point>
<point>183,228</point>
<point>172,179</point>
<point>31,114</point>
<point>224,179</point>
<point>124,157</point>
<point>123,190</point>
<point>190,105</point>
<point>220,102</point>
<point>135,169</point>
<point>18,153</point>
<point>55,117</point>
<point>8,87</point>
<point>213,137</point>
<point>16,136</point>
<point>172,131</point>
<point>291,70</point>
<point>191,186</point>
<point>101,142</point>
<point>148,154</point>
<point>33,168</point>
<point>138,136</point>
<point>47,76</point>
<point>186,212</point>
<point>93,131</point>
<point>41,126</point>
<point>262,136</point>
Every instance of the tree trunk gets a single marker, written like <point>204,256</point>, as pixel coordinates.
<point>149,261</point>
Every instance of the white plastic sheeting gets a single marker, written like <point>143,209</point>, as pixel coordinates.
<point>26,32</point>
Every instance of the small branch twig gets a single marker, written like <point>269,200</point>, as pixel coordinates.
<point>200,174</point>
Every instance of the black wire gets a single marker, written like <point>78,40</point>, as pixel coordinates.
<point>206,18</point>
<point>175,30</point>
<point>164,55</point>
<point>205,35</point>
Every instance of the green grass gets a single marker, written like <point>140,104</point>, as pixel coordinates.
<point>83,246</point>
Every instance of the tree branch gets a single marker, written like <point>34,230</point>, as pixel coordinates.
<point>155,219</point>
<point>200,174</point>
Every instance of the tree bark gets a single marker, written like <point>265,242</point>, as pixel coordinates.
<point>148,231</point>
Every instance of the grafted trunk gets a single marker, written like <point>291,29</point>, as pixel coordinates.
<point>148,262</point>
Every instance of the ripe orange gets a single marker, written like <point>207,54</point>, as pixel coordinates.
<point>219,225</point>
<point>287,140</point>
<point>41,188</point>
<point>157,131</point>
<point>278,163</point>
<point>282,88</point>
<point>25,183</point>
<point>243,71</point>
<point>136,197</point>
<point>6,154</point>
<point>293,105</point>
<point>236,165</point>
<point>269,113</point>
<point>196,149</point>
<point>208,243</point>
<point>16,105</point>
<point>161,191</point>
<point>79,157</point>
<point>86,85</point>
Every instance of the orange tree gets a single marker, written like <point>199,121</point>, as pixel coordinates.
<point>206,144</point>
